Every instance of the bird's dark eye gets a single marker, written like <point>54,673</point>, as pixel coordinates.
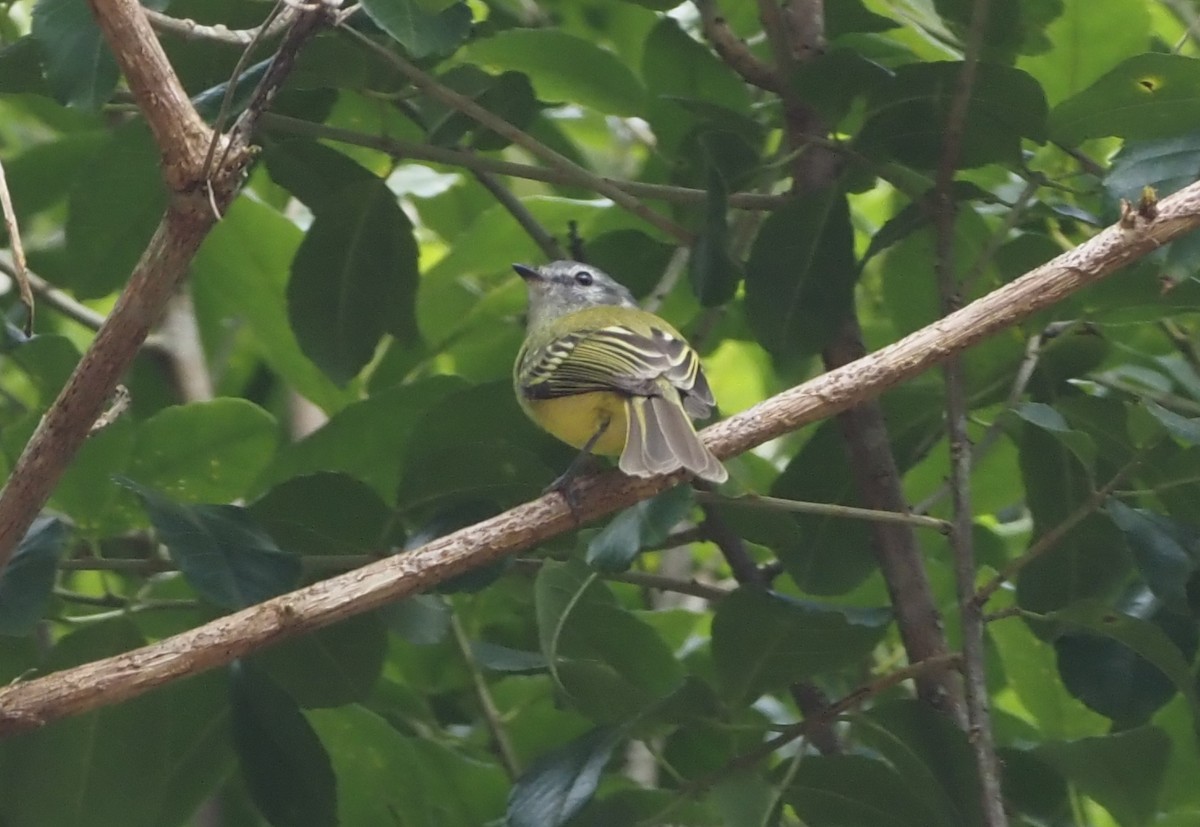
<point>583,278</point>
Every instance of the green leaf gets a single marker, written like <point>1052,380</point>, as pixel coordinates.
<point>1122,772</point>
<point>421,33</point>
<point>316,174</point>
<point>80,68</point>
<point>509,96</point>
<point>26,582</point>
<point>1054,423</point>
<point>855,790</point>
<point>713,272</point>
<point>390,416</point>
<point>386,778</point>
<point>333,666</point>
<point>554,789</point>
<point>204,451</point>
<point>283,763</point>
<point>114,210</point>
<point>21,68</point>
<point>907,117</point>
<point>1167,165</point>
<point>800,275</point>
<point>1145,97</point>
<point>1182,428</point>
<point>1012,26</point>
<point>563,68</point>
<point>239,280</point>
<point>637,527</point>
<point>174,762</point>
<point>1104,678</point>
<point>762,640</point>
<point>1165,551</point>
<point>354,278</point>
<point>612,665</point>
<point>324,513</point>
<point>221,551</point>
<point>930,753</point>
<point>1089,38</point>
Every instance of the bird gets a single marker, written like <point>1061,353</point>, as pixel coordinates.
<point>607,377</point>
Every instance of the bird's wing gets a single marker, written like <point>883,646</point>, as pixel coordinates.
<point>617,358</point>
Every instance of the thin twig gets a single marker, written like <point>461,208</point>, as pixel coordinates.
<point>545,241</point>
<point>487,704</point>
<point>54,298</point>
<point>645,579</point>
<point>825,510</point>
<point>804,728</point>
<point>1052,537</point>
<point>957,407</point>
<point>19,272</point>
<point>191,30</point>
<point>461,103</point>
<point>732,49</point>
<point>401,149</point>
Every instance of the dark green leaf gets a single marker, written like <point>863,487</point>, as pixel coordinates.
<point>332,666</point>
<point>204,451</point>
<point>930,753</point>
<point>421,33</point>
<point>908,115</point>
<point>1167,165</point>
<point>503,659</point>
<point>211,102</point>
<point>114,210</point>
<point>1165,551</point>
<point>21,67</point>
<point>800,276</point>
<point>222,552</point>
<point>510,96</point>
<point>612,665</point>
<point>79,66</point>
<point>385,778</point>
<point>763,641</point>
<point>712,269</point>
<point>833,81</point>
<point>422,619</point>
<point>1147,96</point>
<point>1122,772</point>
<point>354,279</point>
<point>1104,677</point>
<point>1183,429</point>
<point>389,416</point>
<point>286,770</point>
<point>631,257</point>
<point>316,174</point>
<point>849,16</point>
<point>563,68</point>
<point>324,513</point>
<point>640,526</point>
<point>233,289</point>
<point>856,791</point>
<point>174,760</point>
<point>554,789</point>
<point>1012,26</point>
<point>26,581</point>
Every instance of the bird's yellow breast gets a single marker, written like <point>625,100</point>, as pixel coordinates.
<point>575,419</point>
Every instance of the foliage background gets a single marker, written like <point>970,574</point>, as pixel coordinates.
<point>332,384</point>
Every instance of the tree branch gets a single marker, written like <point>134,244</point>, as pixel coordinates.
<point>184,141</point>
<point>191,30</point>
<point>974,670</point>
<point>111,680</point>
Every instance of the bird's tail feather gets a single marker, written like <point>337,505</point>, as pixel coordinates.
<point>660,439</point>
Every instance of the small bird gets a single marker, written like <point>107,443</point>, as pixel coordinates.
<point>607,377</point>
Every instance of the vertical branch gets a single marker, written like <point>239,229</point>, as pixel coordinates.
<point>796,32</point>
<point>957,406</point>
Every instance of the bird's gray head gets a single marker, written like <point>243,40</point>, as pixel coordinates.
<point>562,287</point>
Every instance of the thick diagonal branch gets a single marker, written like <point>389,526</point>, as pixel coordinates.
<point>30,704</point>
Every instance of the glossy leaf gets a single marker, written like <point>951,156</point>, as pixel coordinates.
<point>26,581</point>
<point>854,789</point>
<point>637,527</point>
<point>333,666</point>
<point>560,783</point>
<point>354,278</point>
<point>285,768</point>
<point>222,552</point>
<point>800,276</point>
<point>324,513</point>
<point>1166,553</point>
<point>79,65</point>
<point>764,641</point>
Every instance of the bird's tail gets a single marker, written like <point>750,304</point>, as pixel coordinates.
<point>660,438</point>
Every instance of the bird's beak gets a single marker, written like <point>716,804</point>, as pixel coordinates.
<point>528,273</point>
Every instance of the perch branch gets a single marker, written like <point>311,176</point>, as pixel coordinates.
<point>29,704</point>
